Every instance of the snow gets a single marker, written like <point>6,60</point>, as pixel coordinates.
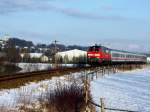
<point>124,90</point>
<point>128,90</point>
<point>33,55</point>
<point>71,53</point>
<point>28,67</point>
<point>32,91</point>
<point>148,59</point>
<point>74,52</point>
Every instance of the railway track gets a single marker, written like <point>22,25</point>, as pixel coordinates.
<point>36,73</point>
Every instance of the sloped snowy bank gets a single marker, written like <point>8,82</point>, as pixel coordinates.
<point>126,90</point>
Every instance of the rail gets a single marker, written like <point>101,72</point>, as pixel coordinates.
<point>35,73</point>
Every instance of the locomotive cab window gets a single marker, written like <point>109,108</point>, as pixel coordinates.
<point>97,48</point>
<point>94,49</point>
<point>90,49</point>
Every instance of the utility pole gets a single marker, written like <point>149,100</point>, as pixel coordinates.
<point>55,51</point>
<point>55,46</point>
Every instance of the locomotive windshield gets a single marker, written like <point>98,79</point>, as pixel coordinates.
<point>95,48</point>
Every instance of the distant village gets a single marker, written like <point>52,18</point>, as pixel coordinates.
<point>15,50</point>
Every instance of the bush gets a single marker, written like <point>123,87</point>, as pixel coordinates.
<point>66,99</point>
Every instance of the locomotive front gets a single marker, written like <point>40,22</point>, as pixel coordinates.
<point>98,55</point>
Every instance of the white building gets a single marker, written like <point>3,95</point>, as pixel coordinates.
<point>148,59</point>
<point>39,56</point>
<point>72,56</point>
<point>44,58</point>
<point>35,55</point>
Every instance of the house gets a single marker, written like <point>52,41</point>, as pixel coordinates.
<point>44,58</point>
<point>148,59</point>
<point>34,57</point>
<point>71,56</point>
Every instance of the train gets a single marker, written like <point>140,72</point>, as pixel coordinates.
<point>99,54</point>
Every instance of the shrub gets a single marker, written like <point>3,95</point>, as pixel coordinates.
<point>68,98</point>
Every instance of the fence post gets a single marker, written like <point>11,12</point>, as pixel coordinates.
<point>96,74</point>
<point>102,70</point>
<point>102,104</point>
<point>86,91</point>
<point>108,69</point>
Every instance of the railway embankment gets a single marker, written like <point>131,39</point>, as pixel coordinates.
<point>19,79</point>
<point>7,68</point>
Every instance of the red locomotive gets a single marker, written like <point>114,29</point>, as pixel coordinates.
<point>103,55</point>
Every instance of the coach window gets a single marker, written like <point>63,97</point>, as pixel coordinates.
<point>114,55</point>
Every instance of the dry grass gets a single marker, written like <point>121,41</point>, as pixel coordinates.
<point>68,98</point>
<point>63,98</point>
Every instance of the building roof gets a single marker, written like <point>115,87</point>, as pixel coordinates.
<point>33,55</point>
<point>74,52</point>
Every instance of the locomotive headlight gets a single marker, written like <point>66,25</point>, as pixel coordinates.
<point>90,54</point>
<point>97,54</point>
<point>94,55</point>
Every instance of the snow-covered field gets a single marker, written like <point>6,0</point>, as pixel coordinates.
<point>32,91</point>
<point>126,90</point>
<point>28,67</point>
